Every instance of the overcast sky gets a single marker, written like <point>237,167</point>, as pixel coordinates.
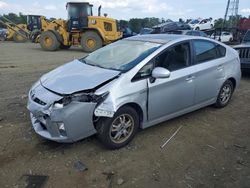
<point>125,9</point>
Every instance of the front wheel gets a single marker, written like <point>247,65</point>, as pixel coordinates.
<point>48,41</point>
<point>118,131</point>
<point>20,38</point>
<point>225,94</point>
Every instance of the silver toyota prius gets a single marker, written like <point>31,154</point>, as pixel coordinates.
<point>132,84</point>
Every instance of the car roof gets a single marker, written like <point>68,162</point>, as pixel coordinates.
<point>157,38</point>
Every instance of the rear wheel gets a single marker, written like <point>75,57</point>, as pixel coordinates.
<point>197,28</point>
<point>49,42</point>
<point>34,35</point>
<point>225,94</point>
<point>118,131</point>
<point>91,41</point>
<point>19,38</point>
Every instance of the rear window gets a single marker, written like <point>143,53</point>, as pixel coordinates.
<point>246,37</point>
<point>206,51</point>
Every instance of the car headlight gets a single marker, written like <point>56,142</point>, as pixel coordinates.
<point>81,97</point>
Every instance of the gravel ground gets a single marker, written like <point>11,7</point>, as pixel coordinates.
<point>211,150</point>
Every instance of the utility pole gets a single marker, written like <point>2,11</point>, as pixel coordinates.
<point>231,14</point>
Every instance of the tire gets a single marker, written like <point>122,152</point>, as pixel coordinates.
<point>48,41</point>
<point>34,34</point>
<point>197,29</point>
<point>64,47</point>
<point>108,137</point>
<point>91,41</point>
<point>18,38</point>
<point>225,94</point>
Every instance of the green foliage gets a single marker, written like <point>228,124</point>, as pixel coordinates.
<point>232,22</point>
<point>17,19</point>
<point>137,23</point>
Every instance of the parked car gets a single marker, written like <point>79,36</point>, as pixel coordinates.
<point>132,84</point>
<point>127,32</point>
<point>3,33</point>
<point>170,26</point>
<point>223,37</point>
<point>202,24</point>
<point>244,51</point>
<point>189,32</point>
<point>145,31</point>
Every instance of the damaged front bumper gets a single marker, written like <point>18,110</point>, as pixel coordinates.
<point>65,124</point>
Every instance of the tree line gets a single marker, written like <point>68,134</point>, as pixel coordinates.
<point>135,24</point>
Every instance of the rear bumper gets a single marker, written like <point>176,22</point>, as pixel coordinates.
<point>67,124</point>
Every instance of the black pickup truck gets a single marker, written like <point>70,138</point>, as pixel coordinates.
<point>244,51</point>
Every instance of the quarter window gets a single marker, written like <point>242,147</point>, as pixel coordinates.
<point>206,51</point>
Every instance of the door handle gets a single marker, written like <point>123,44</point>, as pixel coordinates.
<point>189,78</point>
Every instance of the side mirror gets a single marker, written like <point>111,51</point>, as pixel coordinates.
<point>160,72</point>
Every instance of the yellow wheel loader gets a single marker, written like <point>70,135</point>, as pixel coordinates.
<point>23,32</point>
<point>16,32</point>
<point>81,29</point>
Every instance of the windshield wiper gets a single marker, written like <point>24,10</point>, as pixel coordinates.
<point>94,65</point>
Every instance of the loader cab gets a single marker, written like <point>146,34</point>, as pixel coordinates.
<point>34,22</point>
<point>78,13</point>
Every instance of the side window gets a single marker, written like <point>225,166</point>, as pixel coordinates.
<point>221,51</point>
<point>206,51</point>
<point>145,71</point>
<point>107,26</point>
<point>174,58</point>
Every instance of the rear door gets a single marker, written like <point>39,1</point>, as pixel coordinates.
<point>169,95</point>
<point>209,65</point>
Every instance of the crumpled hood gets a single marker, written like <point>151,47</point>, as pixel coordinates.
<point>76,76</point>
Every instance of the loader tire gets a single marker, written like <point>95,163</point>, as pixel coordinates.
<point>34,35</point>
<point>49,42</point>
<point>18,38</point>
<point>91,41</point>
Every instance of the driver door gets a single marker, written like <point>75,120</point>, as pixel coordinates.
<point>171,95</point>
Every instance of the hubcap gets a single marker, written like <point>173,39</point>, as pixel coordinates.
<point>48,41</point>
<point>225,94</point>
<point>91,43</point>
<point>121,128</point>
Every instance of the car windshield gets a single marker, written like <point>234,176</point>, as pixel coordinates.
<point>194,21</point>
<point>246,37</point>
<point>122,55</point>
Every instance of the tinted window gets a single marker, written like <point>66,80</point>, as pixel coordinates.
<point>196,33</point>
<point>174,58</point>
<point>205,51</point>
<point>246,37</point>
<point>107,26</point>
<point>189,33</point>
<point>221,51</point>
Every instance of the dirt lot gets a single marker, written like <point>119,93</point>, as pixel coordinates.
<point>211,150</point>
